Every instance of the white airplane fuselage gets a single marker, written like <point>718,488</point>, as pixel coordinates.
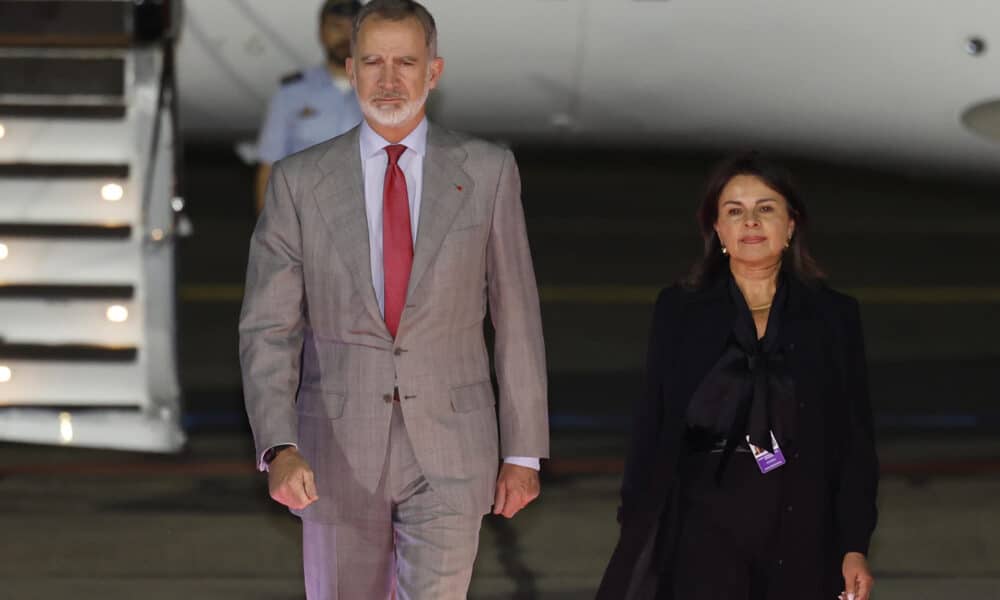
<point>880,81</point>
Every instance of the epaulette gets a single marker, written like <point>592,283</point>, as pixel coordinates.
<point>292,78</point>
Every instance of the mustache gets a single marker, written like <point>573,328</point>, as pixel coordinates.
<point>389,96</point>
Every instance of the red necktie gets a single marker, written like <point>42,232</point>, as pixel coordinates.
<point>397,240</point>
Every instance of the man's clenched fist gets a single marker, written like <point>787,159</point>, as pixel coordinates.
<point>290,480</point>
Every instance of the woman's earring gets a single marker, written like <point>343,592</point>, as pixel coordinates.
<point>724,251</point>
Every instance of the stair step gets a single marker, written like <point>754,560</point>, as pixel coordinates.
<point>57,75</point>
<point>74,383</point>
<point>64,230</point>
<point>63,111</point>
<point>67,292</point>
<point>78,201</point>
<point>71,261</point>
<point>86,23</point>
<point>67,352</point>
<point>65,23</point>
<point>54,170</point>
<point>62,40</point>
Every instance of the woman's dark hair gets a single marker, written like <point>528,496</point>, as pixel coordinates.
<point>797,259</point>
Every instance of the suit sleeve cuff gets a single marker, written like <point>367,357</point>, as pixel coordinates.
<point>524,461</point>
<point>262,464</point>
<point>859,545</point>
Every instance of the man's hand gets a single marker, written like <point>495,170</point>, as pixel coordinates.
<point>290,480</point>
<point>858,579</point>
<point>517,486</point>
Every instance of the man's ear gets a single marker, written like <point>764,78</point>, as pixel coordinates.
<point>349,67</point>
<point>436,70</point>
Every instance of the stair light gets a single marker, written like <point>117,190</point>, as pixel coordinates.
<point>4,251</point>
<point>66,427</point>
<point>3,131</point>
<point>5,374</point>
<point>117,313</point>
<point>112,192</point>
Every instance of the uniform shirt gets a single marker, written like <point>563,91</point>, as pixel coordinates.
<point>310,107</point>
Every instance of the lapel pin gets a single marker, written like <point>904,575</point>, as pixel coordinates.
<point>458,187</point>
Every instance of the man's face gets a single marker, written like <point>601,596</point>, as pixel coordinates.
<point>392,71</point>
<point>335,35</point>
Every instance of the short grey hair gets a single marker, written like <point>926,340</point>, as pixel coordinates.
<point>397,10</point>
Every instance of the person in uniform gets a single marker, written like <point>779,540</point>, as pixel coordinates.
<point>313,105</point>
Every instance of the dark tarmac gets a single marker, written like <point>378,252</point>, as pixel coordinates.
<point>608,229</point>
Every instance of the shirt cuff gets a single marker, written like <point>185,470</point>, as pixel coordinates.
<point>261,464</point>
<point>524,461</point>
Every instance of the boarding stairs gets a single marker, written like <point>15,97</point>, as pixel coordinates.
<point>89,214</point>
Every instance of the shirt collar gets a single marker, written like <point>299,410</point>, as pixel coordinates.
<point>372,143</point>
<point>322,77</point>
<point>342,84</point>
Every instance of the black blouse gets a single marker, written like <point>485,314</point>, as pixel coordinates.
<point>749,390</point>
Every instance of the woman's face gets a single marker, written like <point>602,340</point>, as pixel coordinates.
<point>753,223</point>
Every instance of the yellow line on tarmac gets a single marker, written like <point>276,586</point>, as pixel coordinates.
<point>646,294</point>
<point>598,294</point>
<point>624,294</point>
<point>926,295</point>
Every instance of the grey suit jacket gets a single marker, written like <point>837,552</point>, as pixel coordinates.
<point>319,365</point>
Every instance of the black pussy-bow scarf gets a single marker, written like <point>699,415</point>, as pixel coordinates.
<point>748,391</point>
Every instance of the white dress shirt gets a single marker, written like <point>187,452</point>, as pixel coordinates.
<point>374,161</point>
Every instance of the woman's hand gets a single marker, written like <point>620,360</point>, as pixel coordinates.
<point>858,579</point>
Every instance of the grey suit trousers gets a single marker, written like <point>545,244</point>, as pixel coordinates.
<point>412,543</point>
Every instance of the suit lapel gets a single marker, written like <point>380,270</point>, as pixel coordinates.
<point>340,197</point>
<point>708,322</point>
<point>800,325</point>
<point>446,187</point>
<point>801,344</point>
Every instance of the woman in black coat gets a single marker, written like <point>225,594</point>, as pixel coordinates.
<point>752,471</point>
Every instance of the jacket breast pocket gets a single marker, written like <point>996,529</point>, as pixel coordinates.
<point>466,225</point>
<point>470,397</point>
<point>472,215</point>
<point>314,402</point>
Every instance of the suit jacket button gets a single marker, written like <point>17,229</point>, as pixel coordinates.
<point>387,398</point>
<point>398,351</point>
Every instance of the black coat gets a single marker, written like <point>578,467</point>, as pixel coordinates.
<point>831,476</point>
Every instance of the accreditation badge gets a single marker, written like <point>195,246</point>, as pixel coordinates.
<point>767,461</point>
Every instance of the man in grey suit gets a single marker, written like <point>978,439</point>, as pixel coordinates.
<point>365,370</point>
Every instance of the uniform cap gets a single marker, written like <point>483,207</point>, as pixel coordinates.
<point>340,8</point>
